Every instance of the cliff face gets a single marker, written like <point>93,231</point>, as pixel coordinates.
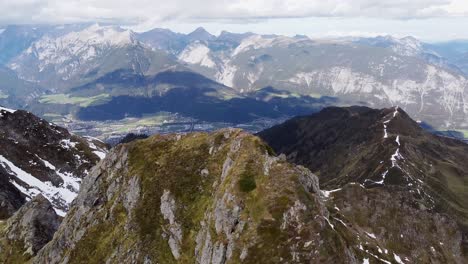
<point>225,198</point>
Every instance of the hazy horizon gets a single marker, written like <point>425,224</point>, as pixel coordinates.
<point>427,20</point>
<point>257,28</point>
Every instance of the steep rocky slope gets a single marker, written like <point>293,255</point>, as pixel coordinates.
<point>387,153</point>
<point>224,198</point>
<point>38,157</point>
<point>28,230</point>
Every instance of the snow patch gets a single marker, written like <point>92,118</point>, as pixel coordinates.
<point>67,144</point>
<point>100,154</point>
<point>8,110</point>
<point>62,194</point>
<point>371,235</point>
<point>197,53</point>
<point>397,259</point>
<point>326,194</point>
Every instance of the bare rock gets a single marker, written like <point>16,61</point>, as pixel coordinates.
<point>34,224</point>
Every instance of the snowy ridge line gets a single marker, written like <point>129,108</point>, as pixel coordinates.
<point>7,109</point>
<point>388,121</point>
<point>4,109</point>
<point>395,156</point>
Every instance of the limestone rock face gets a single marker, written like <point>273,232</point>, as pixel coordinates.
<point>28,230</point>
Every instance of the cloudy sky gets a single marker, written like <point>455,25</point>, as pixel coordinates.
<point>430,20</point>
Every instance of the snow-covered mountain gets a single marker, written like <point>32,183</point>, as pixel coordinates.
<point>83,55</point>
<point>37,157</point>
<point>377,72</point>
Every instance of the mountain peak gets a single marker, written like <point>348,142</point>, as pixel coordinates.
<point>97,34</point>
<point>200,34</point>
<point>380,150</point>
<point>200,30</point>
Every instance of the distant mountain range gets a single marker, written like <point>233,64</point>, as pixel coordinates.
<point>101,63</point>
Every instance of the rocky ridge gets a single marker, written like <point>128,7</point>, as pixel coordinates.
<point>225,197</point>
<point>37,157</point>
<point>389,155</point>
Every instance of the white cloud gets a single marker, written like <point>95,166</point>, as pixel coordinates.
<point>154,11</point>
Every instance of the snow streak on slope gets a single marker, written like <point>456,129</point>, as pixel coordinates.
<point>61,194</point>
<point>396,156</point>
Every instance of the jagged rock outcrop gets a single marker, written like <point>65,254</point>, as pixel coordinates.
<point>28,230</point>
<point>197,198</point>
<point>39,157</point>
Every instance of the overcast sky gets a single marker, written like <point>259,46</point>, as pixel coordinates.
<point>426,19</point>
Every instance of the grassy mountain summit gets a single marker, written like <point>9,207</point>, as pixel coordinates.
<point>207,198</point>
